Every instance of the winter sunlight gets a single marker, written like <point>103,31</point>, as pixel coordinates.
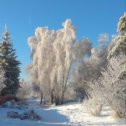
<point>62,63</point>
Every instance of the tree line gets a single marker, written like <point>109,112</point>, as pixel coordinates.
<point>63,66</point>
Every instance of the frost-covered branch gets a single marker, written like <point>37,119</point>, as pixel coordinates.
<point>2,78</point>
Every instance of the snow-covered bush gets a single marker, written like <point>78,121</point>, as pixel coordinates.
<point>96,101</point>
<point>112,84</point>
<point>110,88</point>
<point>30,115</point>
<point>94,106</point>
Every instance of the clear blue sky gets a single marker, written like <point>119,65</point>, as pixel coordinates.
<point>91,17</point>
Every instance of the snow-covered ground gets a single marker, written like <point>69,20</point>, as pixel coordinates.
<point>65,115</point>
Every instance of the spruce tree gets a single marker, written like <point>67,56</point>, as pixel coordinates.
<point>120,40</point>
<point>10,65</point>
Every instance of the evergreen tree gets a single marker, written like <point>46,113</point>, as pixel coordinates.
<point>122,24</point>
<point>119,42</point>
<point>10,65</point>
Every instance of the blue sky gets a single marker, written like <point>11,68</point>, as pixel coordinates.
<point>91,17</point>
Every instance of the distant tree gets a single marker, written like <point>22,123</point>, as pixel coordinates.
<point>10,65</point>
<point>25,90</point>
<point>90,69</point>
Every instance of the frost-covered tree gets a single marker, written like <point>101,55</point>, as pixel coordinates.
<point>122,24</point>
<point>10,65</point>
<point>53,55</point>
<point>90,69</point>
<point>119,41</point>
<point>112,84</point>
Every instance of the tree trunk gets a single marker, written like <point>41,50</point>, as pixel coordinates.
<point>62,97</point>
<point>57,101</point>
<point>52,97</point>
<point>41,96</point>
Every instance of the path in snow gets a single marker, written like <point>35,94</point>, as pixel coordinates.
<point>65,115</point>
<point>79,116</point>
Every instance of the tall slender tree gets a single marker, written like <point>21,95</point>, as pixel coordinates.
<point>54,54</point>
<point>10,65</point>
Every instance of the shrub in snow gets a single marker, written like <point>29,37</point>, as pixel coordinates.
<point>13,115</point>
<point>12,104</point>
<point>112,84</point>
<point>30,115</point>
<point>93,106</point>
<point>9,104</point>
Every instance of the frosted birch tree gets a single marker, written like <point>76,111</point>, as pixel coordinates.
<point>53,54</point>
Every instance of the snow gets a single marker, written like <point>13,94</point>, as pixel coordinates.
<point>73,114</point>
<point>79,116</point>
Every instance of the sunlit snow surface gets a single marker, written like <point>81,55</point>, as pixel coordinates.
<point>66,115</point>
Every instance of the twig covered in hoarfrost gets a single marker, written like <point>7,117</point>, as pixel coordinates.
<point>2,78</point>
